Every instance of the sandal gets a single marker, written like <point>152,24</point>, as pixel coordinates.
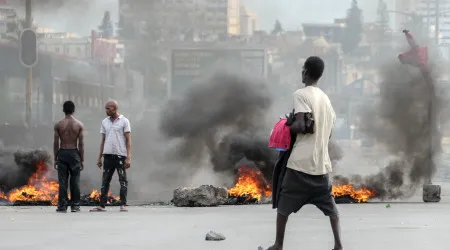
<point>98,209</point>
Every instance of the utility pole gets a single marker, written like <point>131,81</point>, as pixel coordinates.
<point>29,94</point>
<point>436,31</point>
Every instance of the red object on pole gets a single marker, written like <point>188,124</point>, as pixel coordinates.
<point>417,55</point>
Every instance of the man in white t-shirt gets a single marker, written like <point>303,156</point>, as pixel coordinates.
<point>307,180</point>
<point>115,149</point>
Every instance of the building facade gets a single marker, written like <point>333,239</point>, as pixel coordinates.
<point>248,21</point>
<point>204,17</point>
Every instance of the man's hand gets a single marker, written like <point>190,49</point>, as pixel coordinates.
<point>127,163</point>
<point>99,162</point>
<point>82,165</point>
<point>290,118</point>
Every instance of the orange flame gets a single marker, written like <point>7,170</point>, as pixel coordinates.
<point>95,194</point>
<point>39,188</point>
<point>361,195</point>
<point>251,182</point>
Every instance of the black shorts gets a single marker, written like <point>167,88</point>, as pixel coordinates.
<point>299,189</point>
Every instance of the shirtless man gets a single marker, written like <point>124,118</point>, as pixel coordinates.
<point>68,148</point>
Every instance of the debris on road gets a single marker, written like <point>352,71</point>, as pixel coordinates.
<point>213,236</point>
<point>203,196</point>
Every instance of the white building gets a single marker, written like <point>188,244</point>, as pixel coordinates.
<point>248,21</point>
<point>65,44</point>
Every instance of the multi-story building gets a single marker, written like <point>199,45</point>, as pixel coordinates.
<point>248,21</point>
<point>233,17</point>
<point>207,17</point>
<point>426,9</point>
<point>65,44</point>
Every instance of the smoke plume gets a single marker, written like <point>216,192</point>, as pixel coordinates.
<point>17,166</point>
<point>400,121</point>
<point>226,116</point>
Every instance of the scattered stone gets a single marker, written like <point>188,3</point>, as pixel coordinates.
<point>431,193</point>
<point>203,196</point>
<point>213,236</point>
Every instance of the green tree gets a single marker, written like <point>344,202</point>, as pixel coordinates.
<point>353,29</point>
<point>106,28</point>
<point>277,29</point>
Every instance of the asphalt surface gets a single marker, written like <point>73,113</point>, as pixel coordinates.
<point>412,226</point>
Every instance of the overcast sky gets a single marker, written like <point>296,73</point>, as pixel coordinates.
<point>81,16</point>
<point>292,13</point>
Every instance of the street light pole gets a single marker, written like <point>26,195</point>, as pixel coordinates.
<point>29,87</point>
<point>436,30</point>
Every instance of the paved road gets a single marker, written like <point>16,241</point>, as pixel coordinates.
<point>412,226</point>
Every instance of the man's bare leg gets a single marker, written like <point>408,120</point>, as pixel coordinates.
<point>335,226</point>
<point>281,229</point>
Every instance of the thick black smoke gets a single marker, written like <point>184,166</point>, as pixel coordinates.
<point>17,166</point>
<point>226,116</point>
<point>400,120</point>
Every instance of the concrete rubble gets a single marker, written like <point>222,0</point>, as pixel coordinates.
<point>203,196</point>
<point>213,236</point>
<point>431,193</point>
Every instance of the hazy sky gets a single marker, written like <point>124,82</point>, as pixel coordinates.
<point>292,13</point>
<point>81,16</point>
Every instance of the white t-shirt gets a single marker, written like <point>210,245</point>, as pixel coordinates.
<point>310,151</point>
<point>115,141</point>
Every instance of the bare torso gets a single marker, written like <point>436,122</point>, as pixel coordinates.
<point>69,130</point>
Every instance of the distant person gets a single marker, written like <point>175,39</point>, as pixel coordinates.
<point>306,177</point>
<point>68,148</point>
<point>115,149</point>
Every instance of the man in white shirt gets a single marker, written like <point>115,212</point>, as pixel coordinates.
<point>307,180</point>
<point>115,149</point>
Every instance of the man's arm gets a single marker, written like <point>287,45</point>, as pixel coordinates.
<point>81,142</point>
<point>127,133</point>
<point>301,107</point>
<point>55,142</point>
<point>298,126</point>
<point>102,146</point>
<point>128,144</point>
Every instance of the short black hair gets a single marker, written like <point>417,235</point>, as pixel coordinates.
<point>314,66</point>
<point>68,107</point>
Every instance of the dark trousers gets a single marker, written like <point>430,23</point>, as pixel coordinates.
<point>69,164</point>
<point>110,164</point>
